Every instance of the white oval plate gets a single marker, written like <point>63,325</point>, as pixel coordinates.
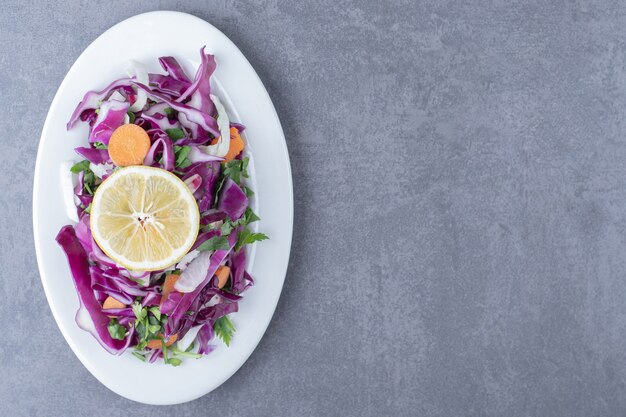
<point>144,38</point>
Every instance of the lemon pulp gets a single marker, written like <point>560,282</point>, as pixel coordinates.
<point>144,218</point>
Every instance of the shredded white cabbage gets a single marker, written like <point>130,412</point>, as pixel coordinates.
<point>137,70</point>
<point>188,338</point>
<point>185,260</point>
<point>117,96</point>
<point>68,182</point>
<point>223,123</point>
<point>101,170</point>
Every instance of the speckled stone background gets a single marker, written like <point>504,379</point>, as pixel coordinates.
<point>460,204</point>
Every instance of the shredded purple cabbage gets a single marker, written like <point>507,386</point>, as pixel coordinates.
<point>178,117</point>
<point>233,201</point>
<point>89,315</point>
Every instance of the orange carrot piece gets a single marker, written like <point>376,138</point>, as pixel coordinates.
<point>129,144</point>
<point>111,302</point>
<point>236,145</point>
<point>156,343</point>
<point>168,286</point>
<point>223,272</point>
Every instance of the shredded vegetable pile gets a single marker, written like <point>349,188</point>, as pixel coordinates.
<point>173,313</point>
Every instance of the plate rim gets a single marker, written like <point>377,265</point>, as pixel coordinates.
<point>281,273</point>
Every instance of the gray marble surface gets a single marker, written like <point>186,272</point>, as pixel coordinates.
<point>460,205</point>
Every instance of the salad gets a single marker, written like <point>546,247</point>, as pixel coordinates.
<point>158,253</point>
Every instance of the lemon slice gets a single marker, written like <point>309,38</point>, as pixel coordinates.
<point>144,218</point>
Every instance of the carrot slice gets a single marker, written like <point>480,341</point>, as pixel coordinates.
<point>111,302</point>
<point>156,343</point>
<point>236,145</point>
<point>168,286</point>
<point>223,272</point>
<point>129,144</point>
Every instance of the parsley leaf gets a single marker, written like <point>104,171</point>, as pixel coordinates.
<point>80,166</point>
<point>181,153</point>
<point>250,216</point>
<point>89,182</point>
<point>224,329</point>
<point>149,324</point>
<point>215,243</point>
<point>156,312</point>
<point>139,311</point>
<point>87,186</point>
<point>227,227</point>
<point>131,116</point>
<point>246,237</point>
<point>247,191</point>
<point>169,112</point>
<point>236,169</point>
<point>89,179</point>
<point>175,133</point>
<point>116,330</point>
<point>100,145</point>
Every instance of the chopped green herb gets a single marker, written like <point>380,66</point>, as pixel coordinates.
<point>174,361</point>
<point>80,166</point>
<point>156,312</point>
<point>88,187</point>
<point>247,191</point>
<point>89,178</point>
<point>175,133</point>
<point>88,209</point>
<point>236,169</point>
<point>166,357</point>
<point>164,350</point>
<point>186,353</point>
<point>227,227</point>
<point>139,311</point>
<point>181,153</point>
<point>215,243</point>
<point>247,237</point>
<point>116,330</point>
<point>169,111</point>
<point>139,356</point>
<point>100,145</point>
<point>131,116</point>
<point>250,216</point>
<point>149,324</point>
<point>224,329</point>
